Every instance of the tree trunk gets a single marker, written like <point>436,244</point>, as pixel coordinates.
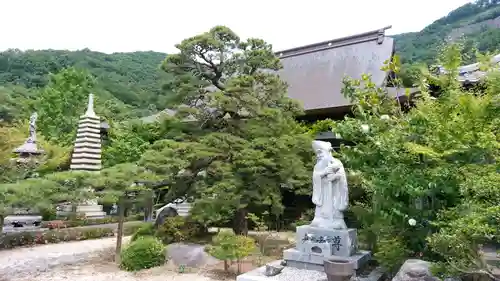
<point>240,223</point>
<point>1,223</point>
<point>226,266</point>
<point>238,266</point>
<point>119,234</point>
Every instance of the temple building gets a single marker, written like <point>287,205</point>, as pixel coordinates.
<point>471,74</point>
<point>87,150</point>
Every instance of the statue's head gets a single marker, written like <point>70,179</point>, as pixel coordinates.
<point>322,149</point>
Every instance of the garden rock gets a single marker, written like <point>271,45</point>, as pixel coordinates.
<point>273,268</point>
<point>189,255</point>
<point>415,270</point>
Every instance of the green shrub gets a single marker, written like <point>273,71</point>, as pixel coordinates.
<point>129,228</point>
<point>48,214</point>
<point>178,229</point>
<point>145,252</point>
<point>147,229</point>
<point>391,253</point>
<point>228,247</point>
<point>171,230</point>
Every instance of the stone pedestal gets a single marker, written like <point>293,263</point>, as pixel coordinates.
<point>315,245</point>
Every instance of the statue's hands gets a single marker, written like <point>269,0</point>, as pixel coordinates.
<point>331,173</point>
<point>331,170</point>
<point>331,177</point>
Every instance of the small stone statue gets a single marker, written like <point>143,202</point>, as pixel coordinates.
<point>114,209</point>
<point>330,192</point>
<point>32,130</point>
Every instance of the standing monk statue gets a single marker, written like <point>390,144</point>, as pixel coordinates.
<point>330,193</point>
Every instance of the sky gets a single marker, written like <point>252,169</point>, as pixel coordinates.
<point>131,25</point>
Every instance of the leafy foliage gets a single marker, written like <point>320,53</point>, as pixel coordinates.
<point>61,103</point>
<point>436,164</point>
<point>171,230</point>
<point>146,230</point>
<point>178,229</point>
<point>146,252</point>
<point>227,246</point>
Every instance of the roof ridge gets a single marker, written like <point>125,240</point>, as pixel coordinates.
<point>375,35</point>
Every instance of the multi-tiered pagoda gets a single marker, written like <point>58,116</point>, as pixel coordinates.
<point>87,150</point>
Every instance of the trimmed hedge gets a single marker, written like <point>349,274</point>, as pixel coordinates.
<point>31,238</point>
<point>83,222</point>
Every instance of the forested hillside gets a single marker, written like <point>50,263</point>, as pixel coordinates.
<point>476,23</point>
<point>130,82</point>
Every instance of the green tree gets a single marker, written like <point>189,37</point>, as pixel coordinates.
<point>228,247</point>
<point>244,145</point>
<point>60,104</point>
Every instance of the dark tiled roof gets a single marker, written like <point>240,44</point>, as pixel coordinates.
<point>315,72</point>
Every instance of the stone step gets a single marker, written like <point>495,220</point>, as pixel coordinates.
<point>95,215</point>
<point>89,208</point>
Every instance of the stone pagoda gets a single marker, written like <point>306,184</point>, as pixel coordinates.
<point>29,149</point>
<point>87,156</point>
<point>87,150</point>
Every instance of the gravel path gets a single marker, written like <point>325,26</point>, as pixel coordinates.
<point>90,261</point>
<point>28,261</point>
<point>109,272</point>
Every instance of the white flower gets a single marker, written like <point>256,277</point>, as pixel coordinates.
<point>412,222</point>
<point>365,128</point>
<point>377,143</point>
<point>385,117</point>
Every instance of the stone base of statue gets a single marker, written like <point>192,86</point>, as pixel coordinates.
<point>314,245</point>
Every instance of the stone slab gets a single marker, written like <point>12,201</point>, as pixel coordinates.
<point>295,274</point>
<point>298,259</point>
<point>340,242</point>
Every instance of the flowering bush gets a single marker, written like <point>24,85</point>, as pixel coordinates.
<point>57,224</point>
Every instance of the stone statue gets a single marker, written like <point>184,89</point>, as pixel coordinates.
<point>32,130</point>
<point>330,192</point>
